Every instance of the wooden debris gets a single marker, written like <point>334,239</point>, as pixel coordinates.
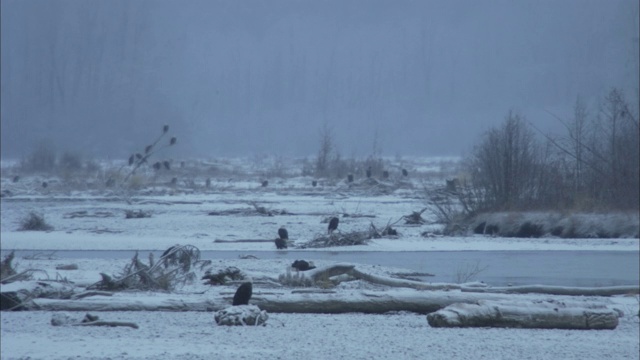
<point>525,314</point>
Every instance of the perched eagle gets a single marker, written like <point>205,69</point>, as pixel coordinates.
<point>243,294</point>
<point>283,233</point>
<point>333,224</point>
<point>281,241</point>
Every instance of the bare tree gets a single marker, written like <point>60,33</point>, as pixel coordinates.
<point>326,150</point>
<point>505,166</point>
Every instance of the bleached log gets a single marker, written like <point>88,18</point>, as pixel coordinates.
<point>129,304</point>
<point>422,302</point>
<point>336,303</point>
<point>388,281</point>
<point>40,289</point>
<point>346,272</point>
<point>367,302</point>
<point>109,324</point>
<point>324,273</point>
<point>525,314</point>
<point>62,319</point>
<point>559,290</point>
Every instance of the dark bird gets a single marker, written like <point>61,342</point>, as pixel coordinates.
<point>265,183</point>
<point>369,172</point>
<point>173,141</point>
<point>16,178</point>
<point>243,294</point>
<point>165,128</point>
<point>302,265</point>
<point>283,233</point>
<point>131,159</point>
<point>45,184</point>
<point>157,165</point>
<point>167,165</point>
<point>405,172</point>
<point>333,224</point>
<point>281,243</point>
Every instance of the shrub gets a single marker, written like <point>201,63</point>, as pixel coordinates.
<point>34,222</point>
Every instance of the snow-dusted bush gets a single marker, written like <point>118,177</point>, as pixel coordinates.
<point>34,222</point>
<point>241,315</point>
<point>540,224</point>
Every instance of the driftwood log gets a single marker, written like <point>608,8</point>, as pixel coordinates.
<point>559,290</point>
<point>348,272</point>
<point>525,314</point>
<point>61,319</point>
<point>345,301</point>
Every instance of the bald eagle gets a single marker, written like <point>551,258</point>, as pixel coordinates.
<point>333,224</point>
<point>283,233</point>
<point>243,294</point>
<point>281,242</point>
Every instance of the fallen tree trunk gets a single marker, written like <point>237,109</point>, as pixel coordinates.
<point>388,281</point>
<point>285,302</point>
<point>370,302</point>
<point>558,290</point>
<point>527,314</point>
<point>348,272</point>
<point>129,304</point>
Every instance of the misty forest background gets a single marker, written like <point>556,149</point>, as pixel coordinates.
<point>540,98</point>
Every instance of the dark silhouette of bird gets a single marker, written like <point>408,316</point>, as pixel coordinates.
<point>243,294</point>
<point>333,224</point>
<point>302,265</point>
<point>45,184</point>
<point>281,243</point>
<point>369,171</point>
<point>283,233</point>
<point>405,172</point>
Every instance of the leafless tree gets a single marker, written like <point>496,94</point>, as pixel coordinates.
<point>505,166</point>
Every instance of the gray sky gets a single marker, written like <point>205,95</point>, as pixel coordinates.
<point>262,77</point>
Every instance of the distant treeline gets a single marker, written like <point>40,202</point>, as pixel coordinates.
<point>594,165</point>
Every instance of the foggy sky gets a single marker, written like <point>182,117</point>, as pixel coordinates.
<point>262,77</point>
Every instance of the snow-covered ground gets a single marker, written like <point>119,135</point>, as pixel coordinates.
<point>90,219</point>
